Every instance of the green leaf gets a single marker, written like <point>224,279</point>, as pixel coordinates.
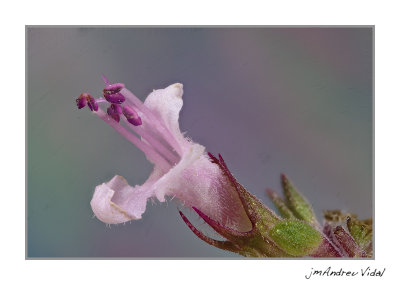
<point>295,237</point>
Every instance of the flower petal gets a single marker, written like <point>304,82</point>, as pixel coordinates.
<point>195,181</point>
<point>166,104</point>
<point>102,206</point>
<point>117,202</point>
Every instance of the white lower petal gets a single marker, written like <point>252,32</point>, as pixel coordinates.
<point>117,202</point>
<point>195,181</point>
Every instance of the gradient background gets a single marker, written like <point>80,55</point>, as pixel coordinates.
<point>270,100</point>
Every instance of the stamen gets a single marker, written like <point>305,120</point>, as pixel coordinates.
<point>131,115</point>
<point>144,147</point>
<point>113,88</point>
<point>153,120</point>
<point>101,100</point>
<point>114,111</point>
<point>111,91</point>
<point>116,94</point>
<point>115,98</point>
<point>158,146</point>
<point>81,101</point>
<point>87,99</point>
<point>92,104</point>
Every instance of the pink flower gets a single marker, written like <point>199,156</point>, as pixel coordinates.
<point>181,167</point>
<point>204,183</point>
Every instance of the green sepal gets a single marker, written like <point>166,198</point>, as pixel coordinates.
<point>257,243</point>
<point>253,243</point>
<point>280,205</point>
<point>300,207</point>
<point>270,235</point>
<point>361,231</point>
<point>296,237</point>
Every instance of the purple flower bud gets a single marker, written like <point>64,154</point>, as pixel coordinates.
<point>113,111</point>
<point>81,101</point>
<point>131,115</point>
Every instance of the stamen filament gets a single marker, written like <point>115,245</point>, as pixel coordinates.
<point>101,100</point>
<point>144,147</point>
<point>158,124</point>
<point>158,146</point>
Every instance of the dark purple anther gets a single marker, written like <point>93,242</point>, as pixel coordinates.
<point>114,111</point>
<point>81,101</point>
<point>131,115</point>
<point>86,98</point>
<point>116,108</point>
<point>113,88</point>
<point>115,98</point>
<point>112,95</point>
<point>92,104</point>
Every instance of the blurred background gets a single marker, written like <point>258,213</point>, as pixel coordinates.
<point>270,100</point>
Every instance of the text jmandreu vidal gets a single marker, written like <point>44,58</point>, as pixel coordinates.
<point>366,272</point>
